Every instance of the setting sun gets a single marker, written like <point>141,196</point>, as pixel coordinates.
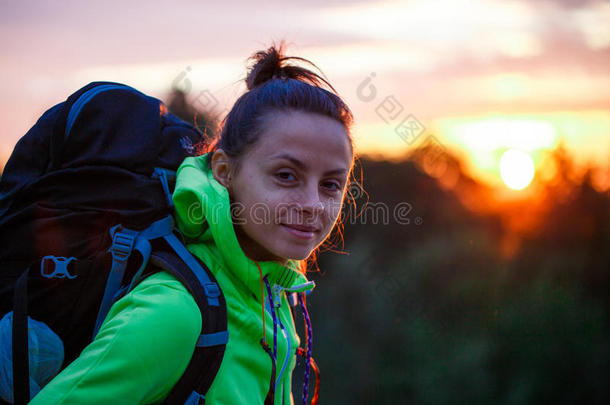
<point>517,169</point>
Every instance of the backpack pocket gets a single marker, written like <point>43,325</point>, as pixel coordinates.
<point>45,350</point>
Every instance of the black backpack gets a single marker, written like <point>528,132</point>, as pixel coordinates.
<point>85,214</point>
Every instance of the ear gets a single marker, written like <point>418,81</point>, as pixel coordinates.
<point>221,167</point>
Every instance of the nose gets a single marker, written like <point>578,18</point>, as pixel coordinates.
<point>310,201</point>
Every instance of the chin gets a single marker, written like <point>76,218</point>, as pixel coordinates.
<point>295,254</point>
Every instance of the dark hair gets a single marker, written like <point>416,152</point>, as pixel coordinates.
<point>274,85</point>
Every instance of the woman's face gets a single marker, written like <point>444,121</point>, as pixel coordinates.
<point>288,191</point>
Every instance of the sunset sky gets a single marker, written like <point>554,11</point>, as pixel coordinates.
<point>481,76</point>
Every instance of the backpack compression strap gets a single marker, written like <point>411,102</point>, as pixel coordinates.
<point>124,242</point>
<point>209,351</point>
<point>202,285</point>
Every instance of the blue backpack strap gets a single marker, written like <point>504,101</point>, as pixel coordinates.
<point>213,339</point>
<point>195,399</point>
<point>124,241</point>
<point>85,97</point>
<point>165,176</point>
<point>68,111</point>
<point>209,351</point>
<point>200,282</point>
<point>202,285</point>
<point>211,289</point>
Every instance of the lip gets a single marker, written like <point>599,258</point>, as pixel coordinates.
<point>301,231</point>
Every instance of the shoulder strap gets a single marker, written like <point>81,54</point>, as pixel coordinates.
<point>21,372</point>
<point>209,351</point>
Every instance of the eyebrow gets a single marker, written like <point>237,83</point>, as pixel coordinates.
<point>302,165</point>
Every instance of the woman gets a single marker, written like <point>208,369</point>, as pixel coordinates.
<point>254,208</point>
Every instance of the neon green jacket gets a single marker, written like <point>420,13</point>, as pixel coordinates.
<point>148,337</point>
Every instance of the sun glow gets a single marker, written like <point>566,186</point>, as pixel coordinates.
<point>517,169</point>
<point>486,139</point>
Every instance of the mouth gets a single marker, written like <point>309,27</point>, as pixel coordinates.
<point>301,231</point>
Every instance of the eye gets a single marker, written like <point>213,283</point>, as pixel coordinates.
<point>332,186</point>
<point>286,176</point>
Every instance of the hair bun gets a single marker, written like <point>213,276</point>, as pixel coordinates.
<point>265,66</point>
<point>272,64</point>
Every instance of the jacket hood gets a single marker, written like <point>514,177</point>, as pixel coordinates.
<point>203,215</point>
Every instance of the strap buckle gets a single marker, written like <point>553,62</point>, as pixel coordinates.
<point>122,245</point>
<point>211,290</point>
<point>60,268</point>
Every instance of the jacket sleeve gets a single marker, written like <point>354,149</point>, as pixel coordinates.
<point>140,352</point>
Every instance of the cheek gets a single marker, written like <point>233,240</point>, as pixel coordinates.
<point>282,204</point>
<point>333,209</point>
<point>264,210</point>
<point>249,202</point>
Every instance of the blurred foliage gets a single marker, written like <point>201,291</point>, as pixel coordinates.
<point>179,104</point>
